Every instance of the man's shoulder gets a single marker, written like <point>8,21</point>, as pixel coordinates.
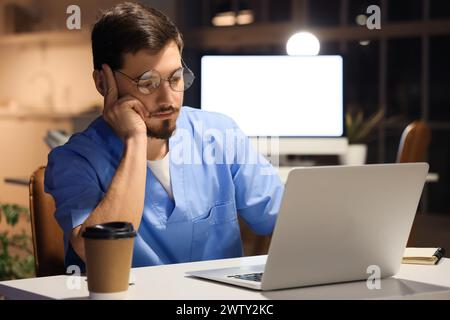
<point>88,136</point>
<point>207,118</point>
<point>88,143</point>
<point>98,129</point>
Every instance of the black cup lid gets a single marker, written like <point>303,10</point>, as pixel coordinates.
<point>110,230</point>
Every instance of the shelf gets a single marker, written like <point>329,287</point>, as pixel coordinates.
<point>46,37</point>
<point>278,33</point>
<point>43,115</point>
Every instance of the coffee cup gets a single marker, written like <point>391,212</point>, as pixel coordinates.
<point>109,251</point>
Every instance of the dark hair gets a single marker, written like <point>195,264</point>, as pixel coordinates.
<point>127,28</point>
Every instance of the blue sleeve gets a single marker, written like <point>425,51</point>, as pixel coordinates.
<point>74,185</point>
<point>258,188</point>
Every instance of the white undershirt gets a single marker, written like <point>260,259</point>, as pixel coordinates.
<point>161,170</point>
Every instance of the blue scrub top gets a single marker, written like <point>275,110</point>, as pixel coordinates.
<point>215,175</point>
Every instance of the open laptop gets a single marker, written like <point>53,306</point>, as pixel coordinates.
<point>334,223</point>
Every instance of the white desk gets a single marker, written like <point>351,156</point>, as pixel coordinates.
<point>170,283</point>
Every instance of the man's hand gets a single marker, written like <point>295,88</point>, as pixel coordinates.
<point>125,115</point>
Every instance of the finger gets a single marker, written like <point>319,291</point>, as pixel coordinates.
<point>142,110</point>
<point>111,93</point>
<point>137,107</point>
<point>104,85</point>
<point>104,90</point>
<point>138,111</point>
<point>133,103</point>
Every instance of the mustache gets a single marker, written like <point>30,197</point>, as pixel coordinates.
<point>163,109</point>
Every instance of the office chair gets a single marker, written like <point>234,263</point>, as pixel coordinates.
<point>414,142</point>
<point>253,244</point>
<point>47,235</point>
<point>413,147</point>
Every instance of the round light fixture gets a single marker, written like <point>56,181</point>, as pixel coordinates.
<point>303,43</point>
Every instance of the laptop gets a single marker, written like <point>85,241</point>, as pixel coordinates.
<point>335,224</point>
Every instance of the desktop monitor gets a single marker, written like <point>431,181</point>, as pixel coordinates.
<point>296,98</point>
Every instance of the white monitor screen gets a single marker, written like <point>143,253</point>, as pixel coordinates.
<point>290,96</point>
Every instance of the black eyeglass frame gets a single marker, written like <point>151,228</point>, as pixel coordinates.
<point>184,69</point>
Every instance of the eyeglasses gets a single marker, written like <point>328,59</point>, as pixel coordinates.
<point>180,80</point>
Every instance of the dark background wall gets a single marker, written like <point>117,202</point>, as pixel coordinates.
<point>403,68</point>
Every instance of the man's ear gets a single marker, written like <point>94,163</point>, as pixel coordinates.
<point>99,81</point>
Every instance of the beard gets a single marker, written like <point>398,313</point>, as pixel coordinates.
<point>164,130</point>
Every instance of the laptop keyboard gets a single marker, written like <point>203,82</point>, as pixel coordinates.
<point>257,276</point>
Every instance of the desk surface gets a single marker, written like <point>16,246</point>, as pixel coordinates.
<point>169,282</point>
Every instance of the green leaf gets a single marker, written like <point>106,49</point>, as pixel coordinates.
<point>370,125</point>
<point>12,213</point>
<point>22,264</point>
<point>358,129</point>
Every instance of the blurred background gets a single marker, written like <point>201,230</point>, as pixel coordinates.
<point>399,72</point>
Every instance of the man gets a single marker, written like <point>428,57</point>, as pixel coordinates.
<point>148,161</point>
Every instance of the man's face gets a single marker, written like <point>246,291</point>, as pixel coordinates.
<point>163,104</point>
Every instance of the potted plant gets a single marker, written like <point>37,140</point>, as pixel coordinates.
<point>358,131</point>
<point>16,255</point>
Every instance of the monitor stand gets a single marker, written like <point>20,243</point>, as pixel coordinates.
<point>287,153</point>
